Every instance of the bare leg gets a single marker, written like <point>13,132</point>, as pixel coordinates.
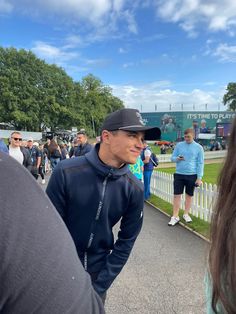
<point>176,205</point>
<point>188,202</point>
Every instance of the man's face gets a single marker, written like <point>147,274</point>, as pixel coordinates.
<point>30,144</point>
<point>188,138</point>
<point>16,140</point>
<point>81,139</point>
<point>125,146</point>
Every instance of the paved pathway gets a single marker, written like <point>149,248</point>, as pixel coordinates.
<point>164,274</point>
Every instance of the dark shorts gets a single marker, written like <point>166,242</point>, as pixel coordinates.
<point>182,181</point>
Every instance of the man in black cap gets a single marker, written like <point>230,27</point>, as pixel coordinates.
<point>93,192</point>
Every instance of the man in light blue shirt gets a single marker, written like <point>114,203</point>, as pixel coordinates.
<point>189,158</point>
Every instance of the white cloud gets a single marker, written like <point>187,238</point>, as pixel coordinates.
<point>131,23</point>
<point>5,6</point>
<point>218,15</point>
<point>52,54</point>
<point>225,53</point>
<point>74,10</point>
<point>118,5</point>
<point>161,94</point>
<point>95,13</point>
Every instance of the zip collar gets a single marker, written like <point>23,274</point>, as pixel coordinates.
<point>103,169</point>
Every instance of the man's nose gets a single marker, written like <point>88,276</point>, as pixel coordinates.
<point>140,143</point>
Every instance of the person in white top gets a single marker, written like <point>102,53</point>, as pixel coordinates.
<point>14,147</point>
<point>18,152</point>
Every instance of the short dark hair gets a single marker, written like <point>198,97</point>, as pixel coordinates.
<point>82,132</point>
<point>187,131</point>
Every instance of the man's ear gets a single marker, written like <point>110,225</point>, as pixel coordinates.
<point>106,135</point>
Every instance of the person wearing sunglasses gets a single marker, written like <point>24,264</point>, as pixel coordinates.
<point>18,152</point>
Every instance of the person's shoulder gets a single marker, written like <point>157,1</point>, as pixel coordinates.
<point>136,184</point>
<point>24,150</point>
<point>198,145</point>
<point>75,162</point>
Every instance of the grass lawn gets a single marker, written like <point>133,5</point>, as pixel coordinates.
<point>211,172</point>
<point>197,224</point>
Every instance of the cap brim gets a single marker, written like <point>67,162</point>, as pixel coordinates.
<point>151,133</point>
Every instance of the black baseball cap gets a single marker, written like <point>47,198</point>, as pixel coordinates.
<point>130,120</point>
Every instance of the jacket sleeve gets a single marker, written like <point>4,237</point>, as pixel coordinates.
<point>27,159</point>
<point>130,227</point>
<point>175,154</point>
<point>200,163</point>
<point>56,190</point>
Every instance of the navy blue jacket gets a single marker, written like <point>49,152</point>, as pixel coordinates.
<point>92,197</point>
<point>81,150</point>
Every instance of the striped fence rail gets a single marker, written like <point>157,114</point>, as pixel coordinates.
<point>203,200</point>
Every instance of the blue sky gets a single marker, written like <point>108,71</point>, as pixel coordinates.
<point>152,53</point>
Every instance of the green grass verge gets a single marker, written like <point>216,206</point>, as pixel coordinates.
<point>211,172</point>
<point>197,224</point>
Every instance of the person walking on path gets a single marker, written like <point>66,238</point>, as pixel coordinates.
<point>83,144</point>
<point>35,157</point>
<point>96,191</point>
<point>19,152</point>
<point>150,162</point>
<point>54,153</point>
<point>189,158</point>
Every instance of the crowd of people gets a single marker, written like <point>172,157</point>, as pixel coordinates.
<point>91,194</point>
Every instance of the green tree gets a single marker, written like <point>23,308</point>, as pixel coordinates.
<point>35,95</point>
<point>96,102</point>
<point>229,98</point>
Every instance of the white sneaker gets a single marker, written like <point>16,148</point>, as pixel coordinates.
<point>187,218</point>
<point>173,221</point>
<point>43,181</point>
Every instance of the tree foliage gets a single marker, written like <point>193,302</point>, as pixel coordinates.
<point>35,95</point>
<point>229,98</point>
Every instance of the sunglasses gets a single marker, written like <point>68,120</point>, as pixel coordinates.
<point>17,139</point>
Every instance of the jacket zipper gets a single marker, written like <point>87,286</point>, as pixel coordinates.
<point>100,205</point>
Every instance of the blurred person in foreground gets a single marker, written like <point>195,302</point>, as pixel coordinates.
<point>40,271</point>
<point>94,192</point>
<point>221,278</point>
<point>189,158</point>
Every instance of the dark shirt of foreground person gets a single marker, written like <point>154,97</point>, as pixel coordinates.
<point>40,271</point>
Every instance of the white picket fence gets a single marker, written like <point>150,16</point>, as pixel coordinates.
<point>207,155</point>
<point>203,200</point>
